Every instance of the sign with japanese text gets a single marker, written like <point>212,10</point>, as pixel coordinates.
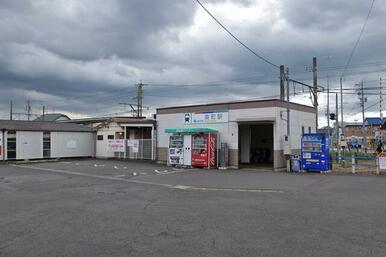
<point>206,117</point>
<point>116,145</point>
<point>134,144</point>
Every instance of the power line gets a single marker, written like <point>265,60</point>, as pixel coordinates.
<point>359,38</point>
<point>238,40</point>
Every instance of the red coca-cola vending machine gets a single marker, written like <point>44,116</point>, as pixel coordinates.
<point>204,150</point>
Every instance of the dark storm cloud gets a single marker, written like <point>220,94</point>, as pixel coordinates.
<point>85,56</point>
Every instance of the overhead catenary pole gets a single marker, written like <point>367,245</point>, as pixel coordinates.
<point>328,108</point>
<point>341,106</point>
<point>139,99</point>
<point>288,104</point>
<point>363,114</point>
<point>28,109</point>
<point>336,120</point>
<point>315,89</point>
<point>381,107</point>
<point>10,110</point>
<point>381,98</point>
<point>282,82</point>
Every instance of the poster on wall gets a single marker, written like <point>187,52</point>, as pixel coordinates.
<point>116,145</point>
<point>1,145</point>
<point>206,117</point>
<point>134,144</point>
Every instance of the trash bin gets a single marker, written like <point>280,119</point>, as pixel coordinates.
<point>295,163</point>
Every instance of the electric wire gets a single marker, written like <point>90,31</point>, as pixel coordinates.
<point>238,40</point>
<point>359,38</point>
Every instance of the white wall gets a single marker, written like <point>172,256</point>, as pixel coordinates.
<point>229,131</point>
<point>101,145</point>
<point>29,145</point>
<point>72,144</point>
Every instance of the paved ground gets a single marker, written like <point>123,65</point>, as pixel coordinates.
<point>112,208</point>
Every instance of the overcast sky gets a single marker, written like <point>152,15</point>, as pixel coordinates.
<point>84,57</point>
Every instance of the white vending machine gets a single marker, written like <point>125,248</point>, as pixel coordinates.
<point>188,150</point>
<point>176,150</point>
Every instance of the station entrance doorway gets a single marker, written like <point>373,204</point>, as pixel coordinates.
<point>256,145</point>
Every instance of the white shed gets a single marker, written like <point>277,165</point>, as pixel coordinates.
<point>20,140</point>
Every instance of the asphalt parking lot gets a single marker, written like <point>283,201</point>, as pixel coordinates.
<point>114,208</point>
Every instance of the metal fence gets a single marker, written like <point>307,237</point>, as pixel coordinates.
<point>138,149</point>
<point>145,150</point>
<point>354,162</point>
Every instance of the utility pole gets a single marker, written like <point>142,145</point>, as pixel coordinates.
<point>10,110</point>
<point>28,109</point>
<point>44,112</point>
<point>288,103</point>
<point>139,99</point>
<point>341,106</point>
<point>381,108</point>
<point>336,120</point>
<point>282,81</point>
<point>381,98</point>
<point>328,108</point>
<point>362,99</point>
<point>315,89</point>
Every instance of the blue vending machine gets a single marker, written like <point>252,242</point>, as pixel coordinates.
<point>315,152</point>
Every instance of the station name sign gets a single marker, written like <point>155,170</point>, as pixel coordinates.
<point>206,117</point>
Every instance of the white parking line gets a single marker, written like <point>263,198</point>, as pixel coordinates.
<point>136,181</point>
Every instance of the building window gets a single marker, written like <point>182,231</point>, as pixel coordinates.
<point>100,137</point>
<point>11,145</point>
<point>302,130</point>
<point>110,137</point>
<point>46,144</point>
<point>309,129</point>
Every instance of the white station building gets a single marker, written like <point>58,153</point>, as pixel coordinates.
<point>255,131</point>
<point>27,140</point>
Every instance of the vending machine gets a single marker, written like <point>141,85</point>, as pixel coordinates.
<point>176,150</point>
<point>204,150</point>
<point>315,152</point>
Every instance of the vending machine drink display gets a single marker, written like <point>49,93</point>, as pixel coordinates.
<point>176,150</point>
<point>204,150</point>
<point>315,152</point>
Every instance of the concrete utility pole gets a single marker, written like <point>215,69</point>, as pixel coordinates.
<point>380,98</point>
<point>341,105</point>
<point>336,120</point>
<point>28,109</point>
<point>10,110</point>
<point>139,99</point>
<point>315,89</point>
<point>282,81</point>
<point>44,112</point>
<point>363,100</point>
<point>288,103</point>
<point>328,108</point>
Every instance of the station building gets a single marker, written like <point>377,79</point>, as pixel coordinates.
<point>255,131</point>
